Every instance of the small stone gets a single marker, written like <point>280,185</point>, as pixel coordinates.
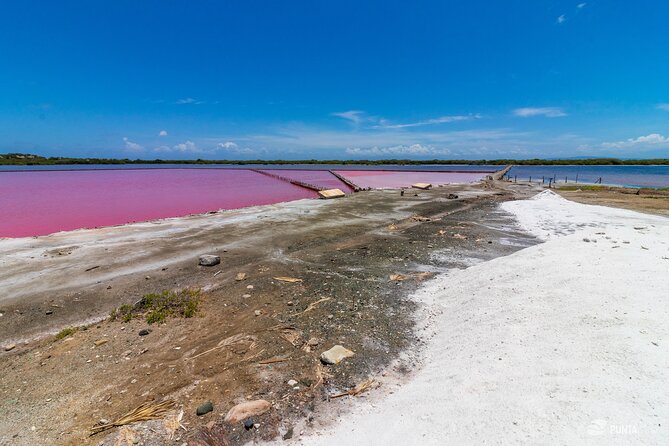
<point>144,332</point>
<point>10,347</point>
<point>312,342</point>
<point>336,355</point>
<point>289,303</point>
<point>247,409</point>
<point>147,278</point>
<point>246,295</point>
<point>292,383</point>
<point>209,260</point>
<point>204,408</point>
<point>451,196</point>
<point>257,312</point>
<point>240,276</point>
<point>248,424</point>
<point>100,342</point>
<point>249,287</point>
<point>49,312</point>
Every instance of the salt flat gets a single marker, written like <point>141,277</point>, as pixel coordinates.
<point>565,342</point>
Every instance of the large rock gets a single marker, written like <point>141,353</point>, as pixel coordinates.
<point>209,260</point>
<point>336,355</point>
<point>247,409</point>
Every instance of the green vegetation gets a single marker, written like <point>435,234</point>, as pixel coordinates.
<point>65,332</point>
<point>23,159</point>
<point>156,307</point>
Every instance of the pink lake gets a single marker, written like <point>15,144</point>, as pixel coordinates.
<point>39,203</point>
<point>393,179</point>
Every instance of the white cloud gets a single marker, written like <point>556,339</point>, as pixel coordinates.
<point>549,112</point>
<point>433,121</point>
<point>186,147</point>
<point>162,133</point>
<point>561,19</point>
<point>234,148</point>
<point>398,150</point>
<point>664,106</point>
<point>132,146</point>
<point>651,141</point>
<point>355,116</point>
<point>185,101</point>
<point>581,5</point>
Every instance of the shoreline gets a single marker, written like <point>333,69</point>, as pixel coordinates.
<point>343,250</point>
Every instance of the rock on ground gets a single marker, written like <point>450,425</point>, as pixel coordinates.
<point>242,411</point>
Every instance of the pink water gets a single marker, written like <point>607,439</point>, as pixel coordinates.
<point>320,178</point>
<point>385,178</point>
<point>39,203</point>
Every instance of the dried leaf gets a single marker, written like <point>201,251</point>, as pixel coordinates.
<point>288,279</point>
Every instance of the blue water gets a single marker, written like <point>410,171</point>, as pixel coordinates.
<point>633,176</point>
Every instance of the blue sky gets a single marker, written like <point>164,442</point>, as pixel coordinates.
<point>345,79</point>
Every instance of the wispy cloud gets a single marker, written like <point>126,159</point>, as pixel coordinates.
<point>433,121</point>
<point>186,101</point>
<point>359,117</point>
<point>581,5</point>
<point>354,116</point>
<point>549,112</point>
<point>162,133</point>
<point>132,146</point>
<point>561,19</point>
<point>664,106</point>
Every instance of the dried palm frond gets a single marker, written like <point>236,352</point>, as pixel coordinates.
<point>360,388</point>
<point>144,412</point>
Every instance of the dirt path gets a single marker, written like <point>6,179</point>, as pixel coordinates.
<point>249,337</point>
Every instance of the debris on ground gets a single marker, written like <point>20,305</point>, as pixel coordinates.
<point>247,409</point>
<point>288,279</point>
<point>240,276</point>
<point>331,193</point>
<point>336,355</point>
<point>423,186</point>
<point>209,260</point>
<point>145,412</point>
<point>360,388</point>
<point>398,277</point>
<point>205,408</point>
<point>420,218</point>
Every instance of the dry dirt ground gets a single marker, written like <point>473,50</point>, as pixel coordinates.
<point>651,201</point>
<point>248,337</point>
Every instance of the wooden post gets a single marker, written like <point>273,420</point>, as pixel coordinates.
<point>543,180</point>
<point>577,178</point>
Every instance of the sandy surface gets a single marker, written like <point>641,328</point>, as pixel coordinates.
<point>565,342</point>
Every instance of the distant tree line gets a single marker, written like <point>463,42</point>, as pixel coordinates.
<point>23,159</point>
